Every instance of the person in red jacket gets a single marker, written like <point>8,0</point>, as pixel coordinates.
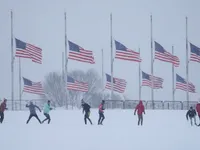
<point>198,110</point>
<point>140,110</point>
<point>2,109</point>
<point>101,113</point>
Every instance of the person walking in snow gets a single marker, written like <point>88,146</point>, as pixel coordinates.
<point>101,113</point>
<point>33,112</point>
<point>46,111</point>
<point>140,110</point>
<point>192,114</point>
<point>2,109</point>
<point>198,110</point>
<point>86,108</point>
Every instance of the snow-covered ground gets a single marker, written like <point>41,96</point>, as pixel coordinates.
<point>162,130</point>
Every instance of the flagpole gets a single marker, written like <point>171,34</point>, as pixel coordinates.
<point>152,88</point>
<point>102,73</point>
<point>139,78</point>
<point>173,90</point>
<point>20,86</point>
<point>12,63</point>
<point>66,60</point>
<point>111,46</point>
<point>187,62</point>
<point>63,66</point>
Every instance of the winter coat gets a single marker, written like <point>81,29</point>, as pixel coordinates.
<point>140,108</point>
<point>101,108</point>
<point>191,113</point>
<point>32,108</point>
<point>47,109</point>
<point>198,108</point>
<point>3,107</point>
<point>86,107</point>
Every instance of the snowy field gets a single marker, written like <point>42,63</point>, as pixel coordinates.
<point>162,130</point>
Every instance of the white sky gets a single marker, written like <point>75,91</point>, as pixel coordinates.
<point>42,23</point>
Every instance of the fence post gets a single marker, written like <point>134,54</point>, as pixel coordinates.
<point>182,105</point>
<point>163,105</point>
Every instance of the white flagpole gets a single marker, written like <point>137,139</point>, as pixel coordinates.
<point>187,62</point>
<point>12,63</point>
<point>139,79</point>
<point>152,60</point>
<point>111,46</point>
<point>20,84</point>
<point>173,90</point>
<point>66,59</point>
<point>102,55</point>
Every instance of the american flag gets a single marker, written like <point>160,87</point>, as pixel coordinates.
<point>76,85</point>
<point>195,53</point>
<point>119,85</point>
<point>33,87</point>
<point>26,50</point>
<point>80,54</point>
<point>163,55</point>
<point>181,84</point>
<point>122,52</point>
<point>151,81</point>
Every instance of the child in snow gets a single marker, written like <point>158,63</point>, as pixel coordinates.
<point>192,114</point>
<point>46,111</point>
<point>33,112</point>
<point>2,109</point>
<point>140,110</point>
<point>86,109</point>
<point>101,113</point>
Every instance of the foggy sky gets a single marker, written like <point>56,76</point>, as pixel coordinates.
<point>42,23</point>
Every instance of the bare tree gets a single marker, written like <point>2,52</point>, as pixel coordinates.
<point>55,89</point>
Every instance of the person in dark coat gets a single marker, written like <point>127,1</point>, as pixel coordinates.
<point>33,112</point>
<point>2,109</point>
<point>101,113</point>
<point>192,115</point>
<point>140,110</point>
<point>86,108</point>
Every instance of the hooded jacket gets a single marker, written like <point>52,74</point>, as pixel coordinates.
<point>140,108</point>
<point>101,108</point>
<point>3,106</point>
<point>32,108</point>
<point>47,109</point>
<point>198,109</point>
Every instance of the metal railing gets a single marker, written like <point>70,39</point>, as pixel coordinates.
<point>114,104</point>
<point>131,104</point>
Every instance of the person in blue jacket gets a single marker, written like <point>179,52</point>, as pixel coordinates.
<point>46,111</point>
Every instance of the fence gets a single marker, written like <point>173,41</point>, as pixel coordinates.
<point>115,104</point>
<point>131,104</point>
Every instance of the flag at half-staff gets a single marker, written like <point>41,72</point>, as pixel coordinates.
<point>151,81</point>
<point>73,84</point>
<point>33,87</point>
<point>26,50</point>
<point>122,52</point>
<point>119,85</point>
<point>163,55</point>
<point>80,54</point>
<point>181,84</point>
<point>195,53</point>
